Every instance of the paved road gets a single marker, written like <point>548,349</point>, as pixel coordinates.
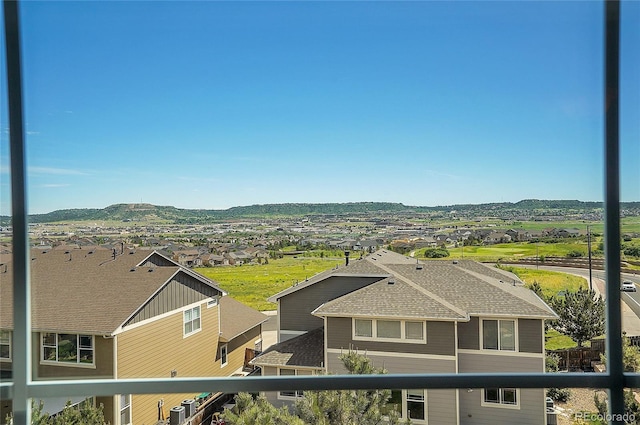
<point>631,300</point>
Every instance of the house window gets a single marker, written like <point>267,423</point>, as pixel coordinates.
<point>257,346</point>
<point>212,302</point>
<point>415,405</point>
<point>191,320</point>
<point>125,409</point>
<point>67,348</point>
<point>500,397</point>
<point>499,335</point>
<point>223,355</point>
<point>289,394</point>
<point>414,330</point>
<point>409,404</point>
<point>364,328</point>
<point>389,330</point>
<point>5,345</point>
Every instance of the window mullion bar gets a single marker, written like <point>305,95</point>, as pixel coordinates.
<point>612,208</point>
<point>100,387</point>
<point>21,362</point>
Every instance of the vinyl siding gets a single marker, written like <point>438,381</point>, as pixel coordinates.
<point>469,334</point>
<point>295,308</point>
<point>472,362</point>
<point>440,339</point>
<point>396,364</point>
<point>154,349</point>
<point>531,411</point>
<point>441,407</point>
<point>102,357</point>
<point>530,335</point>
<point>182,290</point>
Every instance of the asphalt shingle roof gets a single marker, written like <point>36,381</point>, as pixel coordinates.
<point>86,291</point>
<point>236,318</point>
<point>305,350</point>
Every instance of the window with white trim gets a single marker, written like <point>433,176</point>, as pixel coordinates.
<point>292,394</point>
<point>67,348</point>
<point>389,330</point>
<point>499,334</point>
<point>125,409</point>
<point>192,320</point>
<point>409,404</point>
<point>5,345</point>
<point>223,355</point>
<point>500,397</point>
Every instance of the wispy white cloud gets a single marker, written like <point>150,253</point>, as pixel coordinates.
<point>32,133</point>
<point>55,171</point>
<point>49,185</point>
<point>68,112</point>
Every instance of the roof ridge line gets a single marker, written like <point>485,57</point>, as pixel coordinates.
<point>425,291</point>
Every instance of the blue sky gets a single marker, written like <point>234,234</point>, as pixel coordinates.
<point>218,104</point>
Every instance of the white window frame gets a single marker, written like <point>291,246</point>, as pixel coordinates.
<point>224,355</point>
<point>404,410</point>
<point>501,403</point>
<point>296,372</point>
<point>403,331</point>
<point>22,389</point>
<point>127,406</point>
<point>6,341</point>
<point>191,310</point>
<point>79,348</point>
<point>212,302</point>
<point>500,349</point>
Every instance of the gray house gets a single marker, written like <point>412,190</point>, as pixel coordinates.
<point>409,317</point>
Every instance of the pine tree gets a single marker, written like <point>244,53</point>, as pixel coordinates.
<point>581,315</point>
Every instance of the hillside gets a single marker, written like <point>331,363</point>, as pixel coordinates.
<point>170,214</point>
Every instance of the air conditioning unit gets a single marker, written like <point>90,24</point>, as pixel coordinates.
<point>176,415</point>
<point>189,407</point>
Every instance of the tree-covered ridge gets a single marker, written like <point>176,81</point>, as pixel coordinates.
<point>148,212</point>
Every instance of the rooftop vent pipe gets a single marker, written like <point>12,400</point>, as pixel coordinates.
<point>346,258</point>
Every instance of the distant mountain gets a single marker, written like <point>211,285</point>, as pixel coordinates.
<point>148,212</point>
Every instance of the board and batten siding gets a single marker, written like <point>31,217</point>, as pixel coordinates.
<point>102,358</point>
<point>530,412</point>
<point>183,289</point>
<point>530,338</point>
<point>296,307</point>
<point>158,347</point>
<point>440,339</point>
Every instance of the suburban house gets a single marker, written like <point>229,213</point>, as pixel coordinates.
<point>417,317</point>
<point>127,314</point>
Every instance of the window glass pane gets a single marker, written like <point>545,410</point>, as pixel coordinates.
<point>388,328</point>
<point>507,335</point>
<point>86,341</point>
<point>5,351</point>
<point>49,339</point>
<point>364,328</point>
<point>492,395</point>
<point>395,402</point>
<point>67,348</point>
<point>509,396</point>
<point>196,312</point>
<point>86,356</point>
<point>5,337</point>
<point>49,354</point>
<point>490,334</point>
<point>187,315</point>
<point>413,330</point>
<point>415,404</point>
<point>196,324</point>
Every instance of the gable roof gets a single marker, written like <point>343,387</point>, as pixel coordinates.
<point>438,290</point>
<point>237,318</point>
<point>90,291</point>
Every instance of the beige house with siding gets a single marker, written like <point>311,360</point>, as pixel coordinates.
<point>128,314</point>
<point>412,317</point>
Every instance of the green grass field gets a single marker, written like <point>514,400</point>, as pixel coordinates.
<point>551,282</point>
<point>512,250</point>
<point>253,284</point>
